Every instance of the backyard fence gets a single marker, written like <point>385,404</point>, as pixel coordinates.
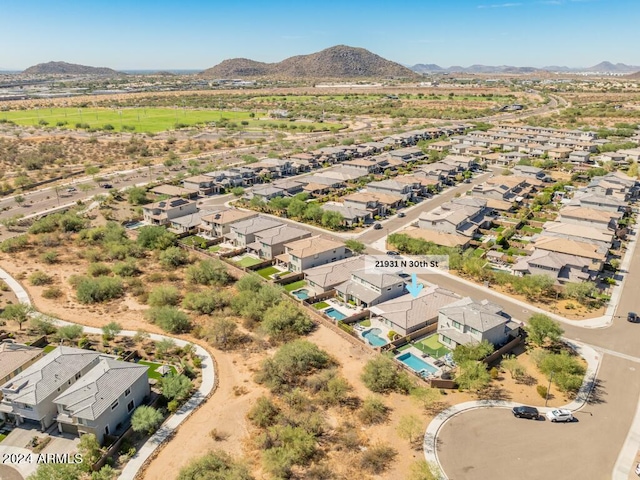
<point>504,350</point>
<point>320,297</point>
<point>261,265</point>
<point>400,342</point>
<point>233,253</point>
<point>287,279</point>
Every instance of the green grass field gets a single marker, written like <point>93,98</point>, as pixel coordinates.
<point>432,346</point>
<point>320,305</point>
<point>248,262</point>
<point>290,287</point>
<point>2,436</point>
<point>152,369</point>
<point>267,272</point>
<point>49,348</point>
<point>140,120</point>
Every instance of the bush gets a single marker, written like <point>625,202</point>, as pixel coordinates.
<point>377,458</point>
<point>381,375</point>
<point>264,413</point>
<point>216,465</point>
<point>373,411</point>
<point>128,268</point>
<point>101,289</point>
<point>49,257</point>
<point>173,257</point>
<point>42,325</point>
<point>40,278</point>
<point>15,244</point>
<point>176,387</point>
<point>170,319</point>
<point>285,321</point>
<point>163,295</point>
<point>290,446</point>
<point>206,302</point>
<point>52,293</point>
<point>291,363</point>
<point>146,419</point>
<point>208,272</point>
<point>155,238</point>
<point>392,335</point>
<point>542,391</point>
<point>98,270</point>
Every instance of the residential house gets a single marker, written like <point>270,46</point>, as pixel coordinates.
<point>321,179</point>
<point>218,223</point>
<point>174,191</point>
<point>29,396</point>
<point>345,174</point>
<point>602,219</point>
<point>527,171</point>
<point>440,146</point>
<point>244,232</point>
<point>579,157</point>
<point>392,187</point>
<point>185,223</point>
<point>559,153</point>
<point>406,314</point>
<point>420,185</point>
<point>439,238</point>
<point>443,170</point>
<point>376,203</point>
<point>310,252</point>
<point>462,216</point>
<point>332,154</point>
<point>596,201</point>
<point>579,233</point>
<point>15,357</point>
<point>102,401</point>
<point>509,188</point>
<point>351,215</point>
<point>203,184</point>
<point>162,212</point>
<point>270,243</point>
<point>324,278</point>
<point>368,289</point>
<point>461,162</point>
<point>265,192</point>
<point>631,154</point>
<point>563,267</point>
<point>467,322</point>
<point>289,186</point>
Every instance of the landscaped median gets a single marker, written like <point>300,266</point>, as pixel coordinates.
<point>592,359</point>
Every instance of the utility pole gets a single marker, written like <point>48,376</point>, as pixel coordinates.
<point>548,389</point>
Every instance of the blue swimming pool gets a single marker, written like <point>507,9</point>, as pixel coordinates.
<point>416,364</point>
<point>134,225</point>
<point>335,314</point>
<point>302,294</point>
<point>373,337</point>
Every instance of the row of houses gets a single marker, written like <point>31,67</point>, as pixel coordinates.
<point>81,391</point>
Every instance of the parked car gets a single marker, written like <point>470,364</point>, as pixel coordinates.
<point>560,415</point>
<point>107,185</point>
<point>401,215</point>
<point>633,317</point>
<point>638,469</point>
<point>377,226</point>
<point>526,412</point>
<point>71,190</point>
<point>391,252</point>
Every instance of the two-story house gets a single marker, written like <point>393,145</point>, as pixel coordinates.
<point>203,184</point>
<point>102,401</point>
<point>162,212</point>
<point>271,242</point>
<point>301,255</point>
<point>14,358</point>
<point>462,216</point>
<point>218,223</point>
<point>244,232</point>
<point>578,215</point>
<point>368,289</point>
<point>392,187</point>
<point>468,321</point>
<point>324,278</point>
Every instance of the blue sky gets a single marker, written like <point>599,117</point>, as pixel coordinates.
<point>145,34</point>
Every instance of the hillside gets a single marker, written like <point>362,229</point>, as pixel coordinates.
<point>602,67</point>
<point>336,62</point>
<point>64,68</point>
<point>633,76</point>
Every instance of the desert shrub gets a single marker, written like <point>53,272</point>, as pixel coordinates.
<point>170,319</point>
<point>128,268</point>
<point>163,295</point>
<point>42,325</point>
<point>49,257</point>
<point>542,391</point>
<point>146,419</point>
<point>264,413</point>
<point>39,279</point>
<point>52,293</point>
<point>285,321</point>
<point>208,272</point>
<point>98,270</point>
<point>377,458</point>
<point>173,257</point>
<point>14,244</point>
<point>381,375</point>
<point>155,238</point>
<point>216,465</point>
<point>206,302</point>
<point>176,387</point>
<point>373,411</point>
<point>100,289</point>
<point>288,446</point>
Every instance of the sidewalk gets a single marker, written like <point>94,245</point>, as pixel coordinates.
<point>591,356</point>
<point>173,422</point>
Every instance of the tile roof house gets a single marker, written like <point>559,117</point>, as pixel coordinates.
<point>462,216</point>
<point>597,201</point>
<point>14,358</point>
<point>508,188</point>
<point>580,233</point>
<point>406,314</point>
<point>244,232</point>
<point>368,289</point>
<point>162,212</point>
<point>102,401</point>
<point>29,396</point>
<point>588,216</point>
<point>351,215</point>
<point>203,184</point>
<point>563,267</point>
<point>326,277</point>
<point>218,223</point>
<point>439,238</point>
<point>310,252</point>
<point>271,242</point>
<point>468,321</point>
<point>391,187</point>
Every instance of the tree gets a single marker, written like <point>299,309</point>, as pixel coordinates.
<point>137,196</point>
<point>163,295</point>
<point>331,219</point>
<point>90,449</point>
<point>381,375</point>
<point>70,333</point>
<point>208,272</point>
<point>170,319</point>
<point>56,471</point>
<point>237,191</point>
<point>146,419</point>
<point>355,246</point>
<point>222,331</point>
<point>582,291</point>
<point>107,472</point>
<point>216,465</point>
<point>176,387</point>
<point>472,375</point>
<point>155,238</point>
<point>101,289</point>
<point>284,321</point>
<point>409,427</point>
<point>427,397</point>
<point>19,199</point>
<point>110,330</point>
<point>513,366</point>
<point>206,302</point>
<point>296,208</point>
<point>18,312</point>
<point>472,351</point>
<point>173,257</point>
<point>313,212</point>
<point>542,329</point>
<point>42,325</point>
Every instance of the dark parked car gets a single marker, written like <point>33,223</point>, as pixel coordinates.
<point>633,317</point>
<point>107,185</point>
<point>401,215</point>
<point>526,412</point>
<point>391,252</point>
<point>377,226</point>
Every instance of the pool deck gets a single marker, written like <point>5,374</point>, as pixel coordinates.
<point>375,323</point>
<point>419,354</point>
<point>341,307</point>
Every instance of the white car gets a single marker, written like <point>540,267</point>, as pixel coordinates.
<point>560,415</point>
<point>638,469</point>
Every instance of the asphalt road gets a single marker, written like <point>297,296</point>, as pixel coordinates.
<point>493,444</point>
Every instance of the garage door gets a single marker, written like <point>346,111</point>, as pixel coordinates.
<point>73,429</point>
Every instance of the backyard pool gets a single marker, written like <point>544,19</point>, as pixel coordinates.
<point>335,314</point>
<point>416,364</point>
<point>302,294</point>
<point>134,225</point>
<point>373,337</point>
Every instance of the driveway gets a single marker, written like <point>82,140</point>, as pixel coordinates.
<point>491,443</point>
<point>8,473</point>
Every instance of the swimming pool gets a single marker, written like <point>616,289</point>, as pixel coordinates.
<point>302,294</point>
<point>373,337</point>
<point>335,314</point>
<point>416,364</point>
<point>134,225</point>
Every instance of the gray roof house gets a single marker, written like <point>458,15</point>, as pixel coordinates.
<point>162,212</point>
<point>406,314</point>
<point>14,358</point>
<point>462,216</point>
<point>271,242</point>
<point>392,187</point>
<point>244,232</point>
<point>351,215</point>
<point>326,277</point>
<point>368,289</point>
<point>468,321</point>
<point>29,396</point>
<point>102,400</point>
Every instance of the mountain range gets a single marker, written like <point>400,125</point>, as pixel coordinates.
<point>602,67</point>
<point>64,68</point>
<point>340,61</point>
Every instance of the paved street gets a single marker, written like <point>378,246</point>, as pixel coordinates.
<point>492,444</point>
